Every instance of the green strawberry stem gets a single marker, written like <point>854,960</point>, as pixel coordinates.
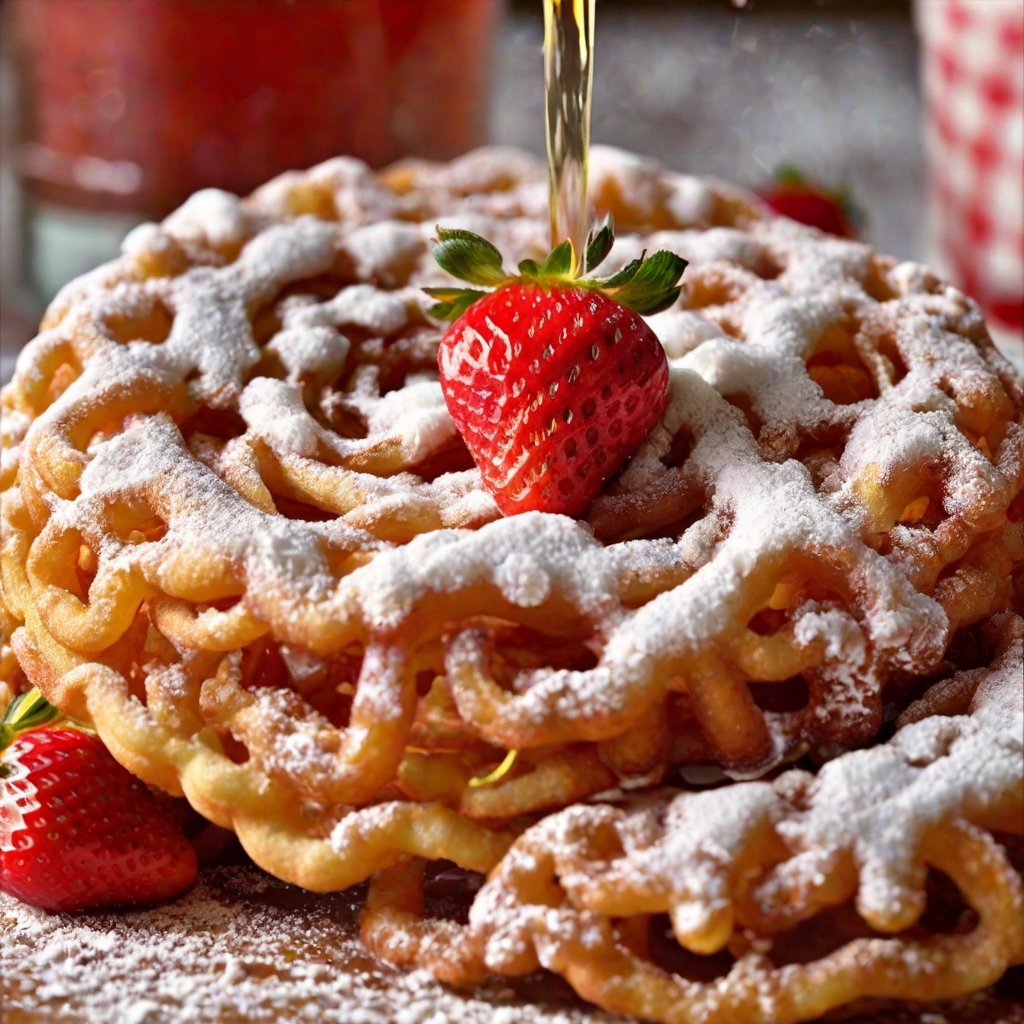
<point>27,711</point>
<point>646,285</point>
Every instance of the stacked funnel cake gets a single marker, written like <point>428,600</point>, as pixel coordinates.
<point>243,540</point>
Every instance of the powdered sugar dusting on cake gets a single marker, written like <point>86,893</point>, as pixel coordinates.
<point>238,424</point>
<point>679,852</point>
<point>762,298</point>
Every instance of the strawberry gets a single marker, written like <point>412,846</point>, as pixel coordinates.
<point>792,195</point>
<point>78,831</point>
<point>552,379</point>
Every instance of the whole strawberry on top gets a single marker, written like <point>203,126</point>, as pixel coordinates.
<point>553,380</point>
<point>78,831</point>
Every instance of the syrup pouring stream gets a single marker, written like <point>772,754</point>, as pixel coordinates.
<point>568,80</point>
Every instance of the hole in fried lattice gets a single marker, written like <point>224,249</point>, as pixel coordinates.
<point>817,937</point>
<point>221,423</point>
<point>425,681</point>
<point>672,530</point>
<point>768,621</point>
<point>981,416</point>
<point>1011,985</point>
<point>518,648</point>
<point>265,324</point>
<point>262,665</point>
<point>270,365</point>
<point>449,891</point>
<point>143,529</point>
<point>666,508</point>
<point>836,367</point>
<point>1013,847</point>
<point>150,322</point>
<point>207,449</point>
<point>63,377</point>
<point>768,268</point>
<point>945,912</point>
<point>680,448</point>
<point>105,433</point>
<point>453,457</point>
<point>925,510</point>
<point>727,319</point>
<point>971,647</point>
<point>790,695</point>
<point>412,350</point>
<point>85,569</point>
<point>878,281</point>
<point>234,749</point>
<point>334,413</point>
<point>742,401</point>
<point>300,510</point>
<point>326,684</point>
<point>821,461</point>
<point>663,949</point>
<point>713,284</point>
<point>892,358</point>
<point>438,725</point>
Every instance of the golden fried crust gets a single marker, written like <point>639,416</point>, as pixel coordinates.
<point>242,539</point>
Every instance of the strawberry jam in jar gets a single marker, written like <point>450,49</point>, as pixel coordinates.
<point>130,106</point>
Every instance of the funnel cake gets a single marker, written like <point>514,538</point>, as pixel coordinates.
<point>737,867</point>
<point>244,542</point>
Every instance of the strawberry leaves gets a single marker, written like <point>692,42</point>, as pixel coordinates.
<point>27,711</point>
<point>469,257</point>
<point>452,302</point>
<point>600,244</point>
<point>557,265</point>
<point>644,285</point>
<point>560,262</point>
<point>647,285</point>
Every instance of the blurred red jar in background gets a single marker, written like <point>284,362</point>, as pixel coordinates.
<point>129,106</point>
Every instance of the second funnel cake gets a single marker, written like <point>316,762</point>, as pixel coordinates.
<point>243,540</point>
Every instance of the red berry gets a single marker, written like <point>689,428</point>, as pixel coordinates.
<point>552,389</point>
<point>78,831</point>
<point>808,208</point>
<point>801,200</point>
<point>552,379</point>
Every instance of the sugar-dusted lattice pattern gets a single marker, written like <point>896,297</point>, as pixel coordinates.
<point>243,540</point>
<point>740,867</point>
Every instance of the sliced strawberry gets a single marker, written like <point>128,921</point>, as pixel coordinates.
<point>78,831</point>
<point>552,380</point>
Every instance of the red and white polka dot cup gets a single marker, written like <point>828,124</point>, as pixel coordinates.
<point>973,82</point>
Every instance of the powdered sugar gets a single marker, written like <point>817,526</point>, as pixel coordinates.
<point>783,289</point>
<point>240,946</point>
<point>238,425</point>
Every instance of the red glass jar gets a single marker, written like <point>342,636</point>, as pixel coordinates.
<point>176,95</point>
<point>129,106</point>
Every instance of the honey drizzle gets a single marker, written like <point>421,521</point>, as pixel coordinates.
<point>568,80</point>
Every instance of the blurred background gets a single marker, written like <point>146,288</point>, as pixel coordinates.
<point>114,111</point>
